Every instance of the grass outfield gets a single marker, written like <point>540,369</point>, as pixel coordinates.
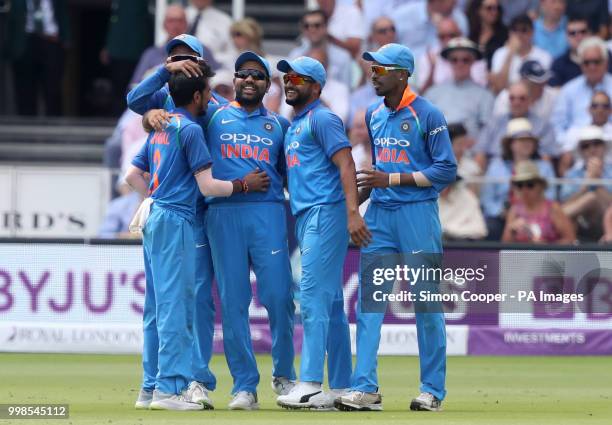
<point>481,390</point>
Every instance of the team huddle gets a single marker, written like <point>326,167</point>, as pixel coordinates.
<point>214,175</point>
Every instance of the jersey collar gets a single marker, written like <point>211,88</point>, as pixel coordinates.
<point>407,98</point>
<point>259,111</point>
<point>308,108</point>
<point>184,112</point>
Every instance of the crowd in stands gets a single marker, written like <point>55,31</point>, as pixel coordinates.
<point>525,86</point>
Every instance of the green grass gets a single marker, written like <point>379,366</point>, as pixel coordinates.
<point>481,390</point>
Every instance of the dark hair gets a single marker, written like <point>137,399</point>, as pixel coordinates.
<point>456,130</point>
<point>315,12</point>
<point>183,87</point>
<point>521,20</point>
<point>578,17</point>
<point>475,23</point>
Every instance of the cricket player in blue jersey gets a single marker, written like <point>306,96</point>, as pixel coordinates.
<point>173,157</point>
<point>250,230</point>
<point>324,199</point>
<point>412,162</point>
<point>153,93</point>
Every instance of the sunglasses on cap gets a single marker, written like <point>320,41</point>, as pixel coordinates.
<point>596,105</point>
<point>193,58</point>
<point>381,70</point>
<point>297,80</point>
<point>256,74</point>
<point>529,184</point>
<point>584,145</point>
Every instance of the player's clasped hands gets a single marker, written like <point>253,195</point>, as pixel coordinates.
<point>372,178</point>
<point>257,180</point>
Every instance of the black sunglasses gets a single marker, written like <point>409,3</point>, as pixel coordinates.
<point>596,105</point>
<point>574,33</point>
<point>588,143</point>
<point>314,25</point>
<point>178,58</point>
<point>254,73</point>
<point>384,30</point>
<point>530,184</point>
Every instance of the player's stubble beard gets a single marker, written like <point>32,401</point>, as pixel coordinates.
<point>300,99</point>
<point>253,100</point>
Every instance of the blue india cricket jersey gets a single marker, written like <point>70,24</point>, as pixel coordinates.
<point>153,93</point>
<point>240,141</point>
<point>412,138</point>
<point>315,135</point>
<point>172,157</point>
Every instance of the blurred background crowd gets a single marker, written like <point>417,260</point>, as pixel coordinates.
<point>525,86</point>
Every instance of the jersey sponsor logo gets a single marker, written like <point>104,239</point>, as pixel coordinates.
<point>246,138</point>
<point>291,156</point>
<point>245,152</point>
<point>391,141</point>
<point>396,156</point>
<point>437,130</point>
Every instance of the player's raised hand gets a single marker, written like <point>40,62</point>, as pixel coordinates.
<point>257,181</point>
<point>372,178</point>
<point>188,67</point>
<point>155,119</point>
<point>360,234</point>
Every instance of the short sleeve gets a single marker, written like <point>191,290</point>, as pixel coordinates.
<point>194,144</point>
<point>328,129</point>
<point>141,160</point>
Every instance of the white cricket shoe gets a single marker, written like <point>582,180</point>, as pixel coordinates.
<point>358,400</point>
<point>426,401</point>
<point>198,393</point>
<point>244,400</point>
<point>182,401</point>
<point>144,399</point>
<point>308,395</point>
<point>282,385</point>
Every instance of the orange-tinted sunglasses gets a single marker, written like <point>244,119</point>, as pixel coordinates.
<point>381,70</point>
<point>297,80</point>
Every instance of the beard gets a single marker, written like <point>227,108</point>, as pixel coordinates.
<point>250,100</point>
<point>299,99</point>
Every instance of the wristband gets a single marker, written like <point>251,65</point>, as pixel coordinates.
<point>394,179</point>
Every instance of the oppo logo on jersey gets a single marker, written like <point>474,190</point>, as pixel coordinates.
<point>391,141</point>
<point>246,138</point>
<point>292,158</point>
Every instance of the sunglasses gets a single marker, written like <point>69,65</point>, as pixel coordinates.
<point>381,70</point>
<point>297,80</point>
<point>384,30</point>
<point>522,30</point>
<point>447,36</point>
<point>490,7</point>
<point>313,25</point>
<point>178,58</point>
<point>574,33</point>
<point>592,143</point>
<point>465,60</point>
<point>588,62</point>
<point>530,184</point>
<point>600,105</point>
<point>254,73</point>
